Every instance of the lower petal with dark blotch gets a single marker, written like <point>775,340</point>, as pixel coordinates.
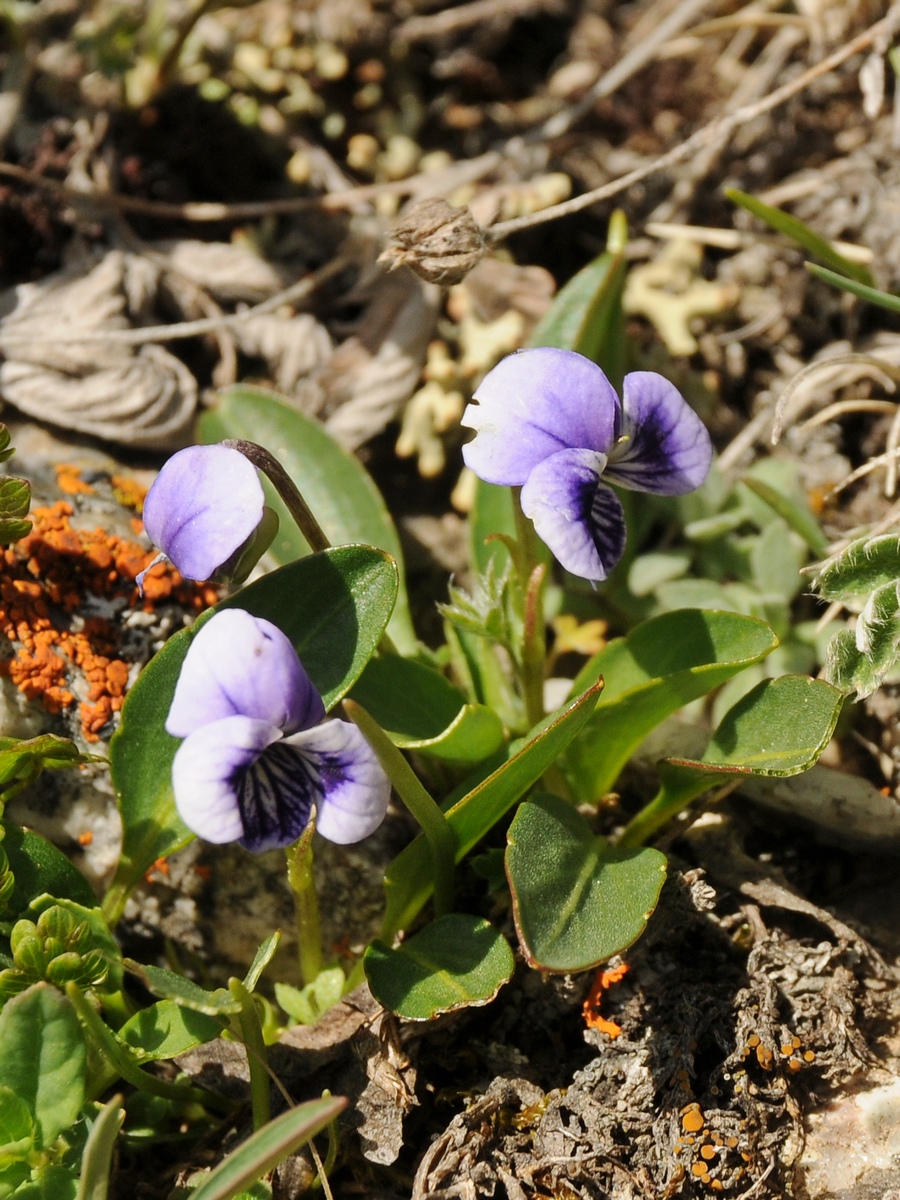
<point>579,518</point>
<point>207,773</point>
<point>276,795</point>
<point>353,789</point>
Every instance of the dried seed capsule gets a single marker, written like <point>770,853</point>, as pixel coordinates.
<point>437,241</point>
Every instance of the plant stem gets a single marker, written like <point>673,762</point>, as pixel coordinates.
<point>662,808</point>
<point>250,1032</point>
<point>303,885</point>
<point>534,645</point>
<point>422,805</point>
<point>286,488</point>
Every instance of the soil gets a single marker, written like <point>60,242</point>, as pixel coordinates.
<point>752,1047</point>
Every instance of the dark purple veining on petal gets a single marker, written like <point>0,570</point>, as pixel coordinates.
<point>275,797</point>
<point>666,448</point>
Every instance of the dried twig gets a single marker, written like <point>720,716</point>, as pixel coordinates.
<point>720,127</point>
<point>204,211</point>
<point>631,62</point>
<point>184,329</point>
<point>453,20</point>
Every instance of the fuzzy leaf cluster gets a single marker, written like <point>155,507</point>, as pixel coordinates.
<point>867,572</point>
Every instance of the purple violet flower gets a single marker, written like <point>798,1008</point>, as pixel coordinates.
<point>550,422</point>
<point>255,758</point>
<point>203,508</point>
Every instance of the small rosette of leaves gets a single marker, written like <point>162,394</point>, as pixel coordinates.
<point>60,947</point>
<point>867,572</point>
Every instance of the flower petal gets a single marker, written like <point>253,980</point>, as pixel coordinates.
<point>205,504</point>
<point>353,789</point>
<point>534,404</point>
<point>241,665</point>
<point>668,450</point>
<point>578,517</point>
<point>207,773</point>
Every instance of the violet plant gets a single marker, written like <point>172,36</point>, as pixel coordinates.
<point>234,730</point>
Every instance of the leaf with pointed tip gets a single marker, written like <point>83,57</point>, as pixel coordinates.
<point>267,1147</point>
<point>409,880</point>
<point>96,1161</point>
<point>38,867</point>
<point>801,233</point>
<point>873,295</point>
<point>587,314</point>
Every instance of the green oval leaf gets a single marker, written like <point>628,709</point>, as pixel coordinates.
<point>167,1028</point>
<point>38,867</point>
<point>267,1147</point>
<point>335,484</point>
<point>334,607</point>
<point>780,728</point>
<point>455,962</point>
<point>577,900</point>
<point>658,668</point>
<point>409,879</point>
<point>421,710</point>
<point>43,1058</point>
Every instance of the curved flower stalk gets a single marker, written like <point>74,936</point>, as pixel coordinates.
<point>204,511</point>
<point>255,759</point>
<point>550,422</point>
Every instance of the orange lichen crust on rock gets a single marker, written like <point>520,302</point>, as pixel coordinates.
<point>49,578</point>
<point>590,1010</point>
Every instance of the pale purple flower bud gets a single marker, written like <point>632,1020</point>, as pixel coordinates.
<point>550,422</point>
<point>204,506</point>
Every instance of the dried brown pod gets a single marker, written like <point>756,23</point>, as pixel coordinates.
<point>437,241</point>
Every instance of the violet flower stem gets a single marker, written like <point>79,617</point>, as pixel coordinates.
<point>303,885</point>
<point>534,647</point>
<point>286,488</point>
<point>420,803</point>
<point>251,1034</point>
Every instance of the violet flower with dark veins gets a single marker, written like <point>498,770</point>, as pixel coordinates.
<point>204,508</point>
<point>255,758</point>
<point>550,422</point>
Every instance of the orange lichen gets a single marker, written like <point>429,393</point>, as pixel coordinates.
<point>692,1120</point>
<point>603,980</point>
<point>128,493</point>
<point>49,578</point>
<point>68,480</point>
